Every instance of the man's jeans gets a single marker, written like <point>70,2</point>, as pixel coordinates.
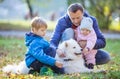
<point>102,57</point>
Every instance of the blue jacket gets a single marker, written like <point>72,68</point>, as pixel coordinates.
<point>36,46</point>
<point>65,22</point>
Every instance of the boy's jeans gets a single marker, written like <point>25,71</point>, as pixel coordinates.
<point>37,65</point>
<point>102,57</point>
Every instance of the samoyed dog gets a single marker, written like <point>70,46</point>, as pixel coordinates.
<point>73,61</point>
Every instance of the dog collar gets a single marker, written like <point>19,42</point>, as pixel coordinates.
<point>68,59</point>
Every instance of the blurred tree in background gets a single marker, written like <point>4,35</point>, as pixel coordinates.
<point>104,10</point>
<point>30,8</point>
<point>1,0</point>
<point>30,4</point>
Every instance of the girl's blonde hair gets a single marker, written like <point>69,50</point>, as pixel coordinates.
<point>37,23</point>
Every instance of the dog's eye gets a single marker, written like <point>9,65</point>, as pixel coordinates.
<point>74,47</point>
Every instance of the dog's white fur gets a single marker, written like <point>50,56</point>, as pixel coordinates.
<point>72,51</point>
<point>20,68</point>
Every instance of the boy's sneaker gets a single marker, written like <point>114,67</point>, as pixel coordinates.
<point>31,71</point>
<point>45,71</point>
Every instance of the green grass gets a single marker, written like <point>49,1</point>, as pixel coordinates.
<point>13,50</point>
<point>21,25</point>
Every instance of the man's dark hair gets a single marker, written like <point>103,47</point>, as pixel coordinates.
<point>75,7</point>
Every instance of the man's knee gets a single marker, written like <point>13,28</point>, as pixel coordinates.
<point>69,30</point>
<point>102,57</point>
<point>67,34</point>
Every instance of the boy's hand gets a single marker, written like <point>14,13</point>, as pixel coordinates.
<point>58,64</point>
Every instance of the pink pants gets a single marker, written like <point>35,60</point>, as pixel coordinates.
<point>90,56</point>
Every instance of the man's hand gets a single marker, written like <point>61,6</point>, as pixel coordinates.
<point>60,53</point>
<point>82,43</point>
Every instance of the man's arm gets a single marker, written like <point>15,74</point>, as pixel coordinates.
<point>101,42</point>
<point>60,27</point>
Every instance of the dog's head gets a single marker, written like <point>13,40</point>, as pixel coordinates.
<point>71,49</point>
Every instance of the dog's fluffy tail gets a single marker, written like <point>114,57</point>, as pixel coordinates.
<point>21,68</point>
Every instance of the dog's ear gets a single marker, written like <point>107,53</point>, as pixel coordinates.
<point>66,44</point>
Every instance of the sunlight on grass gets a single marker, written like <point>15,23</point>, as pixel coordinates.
<point>115,25</point>
<point>21,25</point>
<point>51,25</point>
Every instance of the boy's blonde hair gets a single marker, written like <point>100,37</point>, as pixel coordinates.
<point>37,23</point>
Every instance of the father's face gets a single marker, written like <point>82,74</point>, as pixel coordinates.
<point>76,17</point>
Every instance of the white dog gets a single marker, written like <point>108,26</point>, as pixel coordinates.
<point>73,60</point>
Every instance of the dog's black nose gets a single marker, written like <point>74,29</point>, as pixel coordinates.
<point>81,49</point>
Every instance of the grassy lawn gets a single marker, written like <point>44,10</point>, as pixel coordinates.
<point>13,50</point>
<point>21,25</point>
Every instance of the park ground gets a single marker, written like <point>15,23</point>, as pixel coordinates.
<point>12,49</point>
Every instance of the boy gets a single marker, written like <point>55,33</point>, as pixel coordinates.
<point>36,55</point>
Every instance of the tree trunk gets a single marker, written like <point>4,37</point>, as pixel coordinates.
<point>30,8</point>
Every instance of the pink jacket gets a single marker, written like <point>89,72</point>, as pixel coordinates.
<point>91,40</point>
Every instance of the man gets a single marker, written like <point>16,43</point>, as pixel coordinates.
<point>65,30</point>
